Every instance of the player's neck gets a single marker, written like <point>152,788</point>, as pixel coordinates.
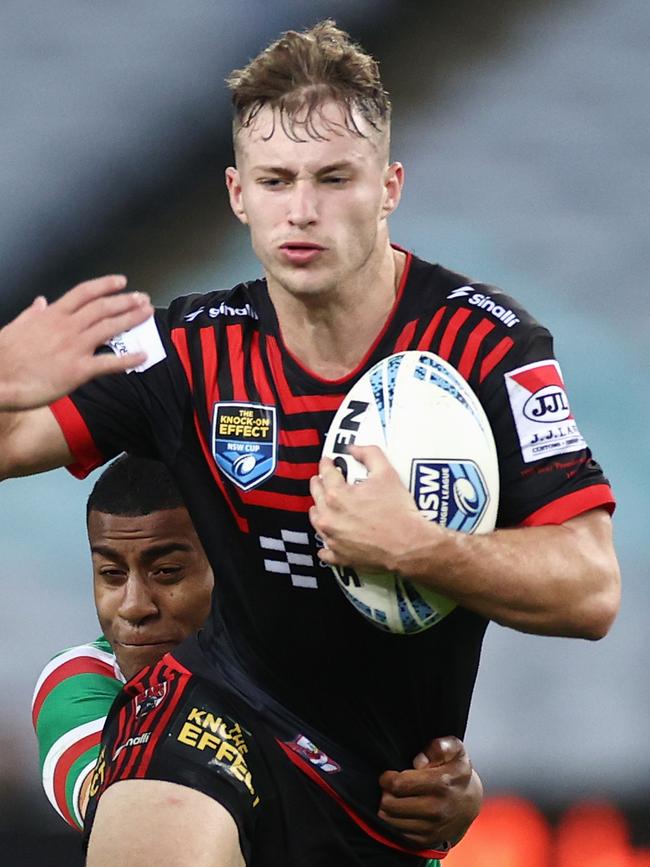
<point>331,333</point>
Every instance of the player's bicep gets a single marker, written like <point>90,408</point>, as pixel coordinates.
<point>32,442</point>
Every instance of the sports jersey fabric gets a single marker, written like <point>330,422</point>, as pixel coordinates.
<point>240,422</point>
<point>293,803</point>
<point>73,695</point>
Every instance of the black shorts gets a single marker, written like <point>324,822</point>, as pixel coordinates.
<point>296,802</point>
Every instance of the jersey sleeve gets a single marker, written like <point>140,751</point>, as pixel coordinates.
<point>547,472</point>
<point>141,412</point>
<point>71,700</point>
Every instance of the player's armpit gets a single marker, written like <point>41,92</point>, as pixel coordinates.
<point>31,442</point>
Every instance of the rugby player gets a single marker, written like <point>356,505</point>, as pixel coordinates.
<point>235,396</point>
<point>152,587</point>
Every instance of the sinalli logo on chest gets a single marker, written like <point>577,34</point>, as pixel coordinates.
<point>485,302</point>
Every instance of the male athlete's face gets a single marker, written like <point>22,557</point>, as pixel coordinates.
<point>152,583</point>
<point>316,209</point>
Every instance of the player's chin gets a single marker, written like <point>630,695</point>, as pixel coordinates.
<point>133,658</point>
<point>311,278</point>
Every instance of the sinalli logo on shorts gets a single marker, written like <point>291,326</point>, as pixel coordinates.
<point>451,493</point>
<point>244,442</point>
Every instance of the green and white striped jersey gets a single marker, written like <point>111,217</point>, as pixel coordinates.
<point>71,700</point>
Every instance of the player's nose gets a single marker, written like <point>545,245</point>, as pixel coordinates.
<point>137,602</point>
<point>303,205</point>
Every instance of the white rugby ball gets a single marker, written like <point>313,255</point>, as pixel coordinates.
<point>426,418</point>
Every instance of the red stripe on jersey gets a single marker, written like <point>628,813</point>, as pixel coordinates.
<point>87,456</point>
<point>451,332</point>
<point>129,722</point>
<point>427,338</point>
<point>209,356</point>
<point>291,403</point>
<point>472,347</point>
<point>133,686</point>
<point>571,505</point>
<point>495,355</point>
<point>179,339</point>
<point>123,720</point>
<point>78,665</point>
<point>297,438</point>
<point>242,523</point>
<point>181,684</point>
<point>404,340</point>
<point>128,757</point>
<point>174,665</point>
<point>67,760</point>
<point>259,374</point>
<point>287,470</point>
<point>313,774</point>
<point>269,500</point>
<point>209,360</point>
<point>235,337</point>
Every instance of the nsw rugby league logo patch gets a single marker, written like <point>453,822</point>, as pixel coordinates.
<point>244,442</point>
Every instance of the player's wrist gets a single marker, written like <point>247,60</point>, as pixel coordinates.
<point>9,398</point>
<point>430,553</point>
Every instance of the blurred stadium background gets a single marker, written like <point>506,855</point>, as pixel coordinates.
<point>525,130</point>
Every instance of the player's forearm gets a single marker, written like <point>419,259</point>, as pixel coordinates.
<point>31,441</point>
<point>551,580</point>
<point>9,422</point>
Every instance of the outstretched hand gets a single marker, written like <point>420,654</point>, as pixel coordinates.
<point>436,801</point>
<point>48,350</point>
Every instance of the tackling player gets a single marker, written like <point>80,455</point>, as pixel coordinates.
<point>152,585</point>
<point>235,396</point>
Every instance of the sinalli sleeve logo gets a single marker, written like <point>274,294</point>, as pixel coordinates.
<point>540,408</point>
<point>244,442</point>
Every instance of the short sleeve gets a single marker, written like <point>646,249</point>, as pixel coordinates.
<point>547,472</point>
<point>71,700</point>
<point>141,412</point>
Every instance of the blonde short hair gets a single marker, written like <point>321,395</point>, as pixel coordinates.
<point>299,72</point>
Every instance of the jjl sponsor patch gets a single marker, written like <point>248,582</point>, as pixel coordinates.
<point>244,442</point>
<point>451,493</point>
<point>540,408</point>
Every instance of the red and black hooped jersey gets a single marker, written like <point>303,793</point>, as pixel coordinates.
<point>240,422</point>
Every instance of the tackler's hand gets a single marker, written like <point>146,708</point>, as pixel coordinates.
<point>49,350</point>
<point>436,801</point>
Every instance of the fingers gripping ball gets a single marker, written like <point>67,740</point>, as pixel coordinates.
<point>435,433</point>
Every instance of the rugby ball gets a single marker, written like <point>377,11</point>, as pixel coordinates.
<point>426,418</point>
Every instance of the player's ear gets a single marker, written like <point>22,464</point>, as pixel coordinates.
<point>233,185</point>
<point>393,183</point>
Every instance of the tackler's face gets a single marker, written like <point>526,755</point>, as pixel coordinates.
<point>316,207</point>
<point>152,582</point>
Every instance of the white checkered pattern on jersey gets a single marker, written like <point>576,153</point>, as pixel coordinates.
<point>291,558</point>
